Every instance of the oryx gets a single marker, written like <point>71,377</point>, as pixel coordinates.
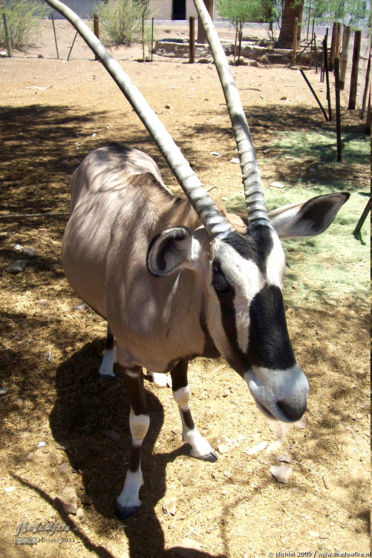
<point>173,277</point>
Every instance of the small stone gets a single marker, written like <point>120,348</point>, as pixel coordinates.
<point>4,391</point>
<point>80,307</point>
<point>282,473</point>
<point>276,185</point>
<point>41,444</point>
<point>9,489</point>
<point>222,448</point>
<point>68,500</point>
<point>29,251</point>
<point>169,505</point>
<point>314,534</point>
<point>256,449</point>
<point>18,266</point>
<point>301,424</point>
<point>64,468</point>
<point>167,106</point>
<point>235,161</point>
<point>215,154</point>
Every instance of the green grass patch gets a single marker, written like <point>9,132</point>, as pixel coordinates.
<point>333,267</point>
<point>321,146</point>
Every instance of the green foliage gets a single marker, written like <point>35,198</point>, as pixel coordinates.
<point>239,12</point>
<point>23,18</point>
<point>350,12</point>
<point>121,21</point>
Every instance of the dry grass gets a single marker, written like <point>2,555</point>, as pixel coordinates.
<point>51,352</point>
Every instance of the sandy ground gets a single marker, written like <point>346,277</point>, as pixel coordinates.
<point>52,113</point>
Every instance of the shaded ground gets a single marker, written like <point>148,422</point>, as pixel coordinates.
<point>51,114</point>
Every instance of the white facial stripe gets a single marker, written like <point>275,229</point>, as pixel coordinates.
<point>275,264</point>
<point>247,281</point>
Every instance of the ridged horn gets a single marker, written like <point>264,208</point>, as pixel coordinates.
<point>253,191</point>
<point>212,219</point>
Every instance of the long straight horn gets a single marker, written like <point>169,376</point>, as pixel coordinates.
<point>212,219</point>
<point>253,191</point>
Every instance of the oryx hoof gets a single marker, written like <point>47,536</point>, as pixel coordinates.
<point>124,512</point>
<point>211,457</point>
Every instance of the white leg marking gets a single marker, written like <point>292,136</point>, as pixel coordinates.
<point>139,425</point>
<point>182,397</point>
<point>199,445</point>
<point>129,495</point>
<point>107,364</point>
<point>161,380</point>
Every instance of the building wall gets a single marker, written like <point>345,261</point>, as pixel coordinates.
<point>163,9</point>
<point>84,8</point>
<point>159,9</point>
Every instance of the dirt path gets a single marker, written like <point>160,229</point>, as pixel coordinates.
<point>63,427</point>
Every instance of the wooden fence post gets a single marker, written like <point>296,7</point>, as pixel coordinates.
<point>152,39</point>
<point>295,39</point>
<point>191,40</point>
<point>7,37</point>
<point>335,45</point>
<point>315,95</point>
<point>72,46</point>
<point>325,56</point>
<point>338,109</point>
<point>354,70</point>
<point>96,28</point>
<point>55,35</point>
<point>366,86</point>
<point>344,55</point>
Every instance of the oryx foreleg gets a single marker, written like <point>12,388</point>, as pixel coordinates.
<point>109,357</point>
<point>128,501</point>
<point>200,448</point>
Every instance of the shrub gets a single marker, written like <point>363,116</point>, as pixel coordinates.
<point>120,21</point>
<point>23,17</point>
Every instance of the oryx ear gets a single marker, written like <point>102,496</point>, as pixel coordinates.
<point>172,249</point>
<point>309,218</point>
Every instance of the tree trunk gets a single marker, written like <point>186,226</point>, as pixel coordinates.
<point>202,37</point>
<point>292,9</point>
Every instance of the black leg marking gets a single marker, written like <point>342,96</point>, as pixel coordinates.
<point>128,501</point>
<point>110,338</point>
<point>190,434</point>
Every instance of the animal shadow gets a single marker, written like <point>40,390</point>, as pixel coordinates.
<point>90,419</point>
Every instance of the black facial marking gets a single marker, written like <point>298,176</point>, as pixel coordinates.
<point>264,244</point>
<point>219,281</point>
<point>269,344</point>
<point>255,246</point>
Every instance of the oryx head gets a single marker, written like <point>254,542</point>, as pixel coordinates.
<point>242,278</point>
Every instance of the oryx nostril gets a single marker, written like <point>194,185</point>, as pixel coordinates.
<point>291,411</point>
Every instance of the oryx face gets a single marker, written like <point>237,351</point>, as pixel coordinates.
<point>250,330</point>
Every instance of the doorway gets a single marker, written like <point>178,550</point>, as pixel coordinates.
<point>179,9</point>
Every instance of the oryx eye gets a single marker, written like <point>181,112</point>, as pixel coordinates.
<point>219,281</point>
